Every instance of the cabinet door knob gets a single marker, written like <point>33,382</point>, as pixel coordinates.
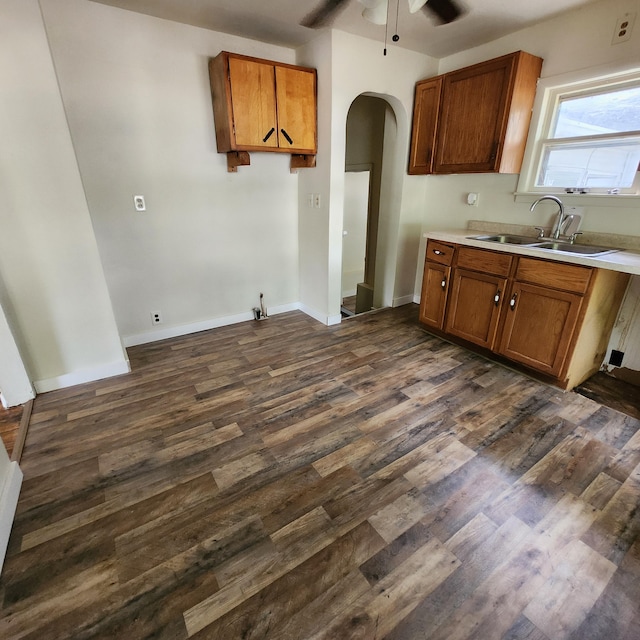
<point>496,298</point>
<point>512,302</point>
<point>438,253</point>
<point>268,134</point>
<point>286,135</point>
<point>443,284</point>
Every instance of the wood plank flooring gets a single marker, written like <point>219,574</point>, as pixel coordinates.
<point>285,480</point>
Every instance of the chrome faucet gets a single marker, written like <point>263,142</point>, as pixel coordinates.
<point>560,220</point>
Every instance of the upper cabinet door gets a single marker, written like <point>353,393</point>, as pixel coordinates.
<point>296,99</point>
<point>254,103</point>
<point>473,117</point>
<point>425,118</point>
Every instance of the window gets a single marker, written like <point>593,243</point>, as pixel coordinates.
<point>588,140</point>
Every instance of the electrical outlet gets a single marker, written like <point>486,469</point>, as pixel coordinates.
<point>624,25</point>
<point>156,317</point>
<point>616,358</point>
<point>139,203</point>
<point>316,200</point>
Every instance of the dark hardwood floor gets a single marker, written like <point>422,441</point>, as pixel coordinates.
<point>9,426</point>
<point>285,480</point>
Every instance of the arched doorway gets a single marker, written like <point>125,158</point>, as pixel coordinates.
<point>370,139</point>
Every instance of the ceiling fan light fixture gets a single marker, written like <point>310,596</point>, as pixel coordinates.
<point>416,5</point>
<point>376,14</point>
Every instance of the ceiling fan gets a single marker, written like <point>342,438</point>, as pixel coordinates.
<point>375,11</point>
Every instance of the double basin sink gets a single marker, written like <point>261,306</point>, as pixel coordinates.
<point>563,246</point>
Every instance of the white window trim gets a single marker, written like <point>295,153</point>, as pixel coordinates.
<point>546,95</point>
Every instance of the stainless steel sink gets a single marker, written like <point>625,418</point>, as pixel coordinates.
<point>578,249</point>
<point>550,245</point>
<point>507,239</point>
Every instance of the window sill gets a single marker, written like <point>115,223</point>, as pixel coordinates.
<point>574,199</point>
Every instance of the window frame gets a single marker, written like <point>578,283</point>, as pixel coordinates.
<point>550,91</point>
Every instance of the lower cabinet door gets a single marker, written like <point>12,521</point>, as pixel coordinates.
<point>433,300</point>
<point>474,306</point>
<point>539,326</point>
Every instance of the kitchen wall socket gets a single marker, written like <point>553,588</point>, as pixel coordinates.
<point>139,203</point>
<point>316,200</point>
<point>156,317</point>
<point>624,26</point>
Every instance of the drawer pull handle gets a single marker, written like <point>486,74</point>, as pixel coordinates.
<point>443,284</point>
<point>496,298</point>
<point>512,302</point>
<point>438,252</point>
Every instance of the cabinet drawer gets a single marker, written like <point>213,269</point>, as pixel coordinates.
<point>556,275</point>
<point>497,264</point>
<point>440,252</point>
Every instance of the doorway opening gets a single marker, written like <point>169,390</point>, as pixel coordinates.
<point>366,169</point>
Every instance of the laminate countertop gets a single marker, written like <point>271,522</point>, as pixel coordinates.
<point>626,261</point>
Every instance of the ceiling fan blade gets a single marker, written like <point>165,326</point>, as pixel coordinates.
<point>323,14</point>
<point>444,10</point>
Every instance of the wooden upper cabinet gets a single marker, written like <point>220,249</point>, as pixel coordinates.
<point>253,104</point>
<point>482,116</point>
<point>296,100</point>
<point>260,105</point>
<point>426,107</point>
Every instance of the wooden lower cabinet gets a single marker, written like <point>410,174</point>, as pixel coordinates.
<point>538,327</point>
<point>474,307</point>
<point>435,285</point>
<point>553,318</point>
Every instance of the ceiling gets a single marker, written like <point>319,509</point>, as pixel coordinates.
<point>278,21</point>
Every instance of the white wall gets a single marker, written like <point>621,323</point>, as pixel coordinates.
<point>49,260</point>
<point>349,66</point>
<point>15,386</point>
<point>10,483</point>
<point>354,234</point>
<point>137,97</point>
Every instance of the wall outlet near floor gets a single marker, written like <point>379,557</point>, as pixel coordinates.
<point>615,359</point>
<point>156,317</point>
<point>139,203</point>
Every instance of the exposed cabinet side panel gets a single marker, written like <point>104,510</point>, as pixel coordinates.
<point>254,103</point>
<point>525,80</point>
<point>296,99</point>
<point>222,111</point>
<point>604,302</point>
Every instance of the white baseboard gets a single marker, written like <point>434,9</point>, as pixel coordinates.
<point>326,320</point>
<point>82,376</point>
<point>8,504</point>
<point>194,327</point>
<point>417,298</point>
<point>399,302</point>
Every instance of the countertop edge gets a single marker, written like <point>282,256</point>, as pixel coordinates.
<point>624,261</point>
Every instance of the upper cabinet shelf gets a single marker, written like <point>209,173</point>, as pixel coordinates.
<point>259,105</point>
<point>476,119</point>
